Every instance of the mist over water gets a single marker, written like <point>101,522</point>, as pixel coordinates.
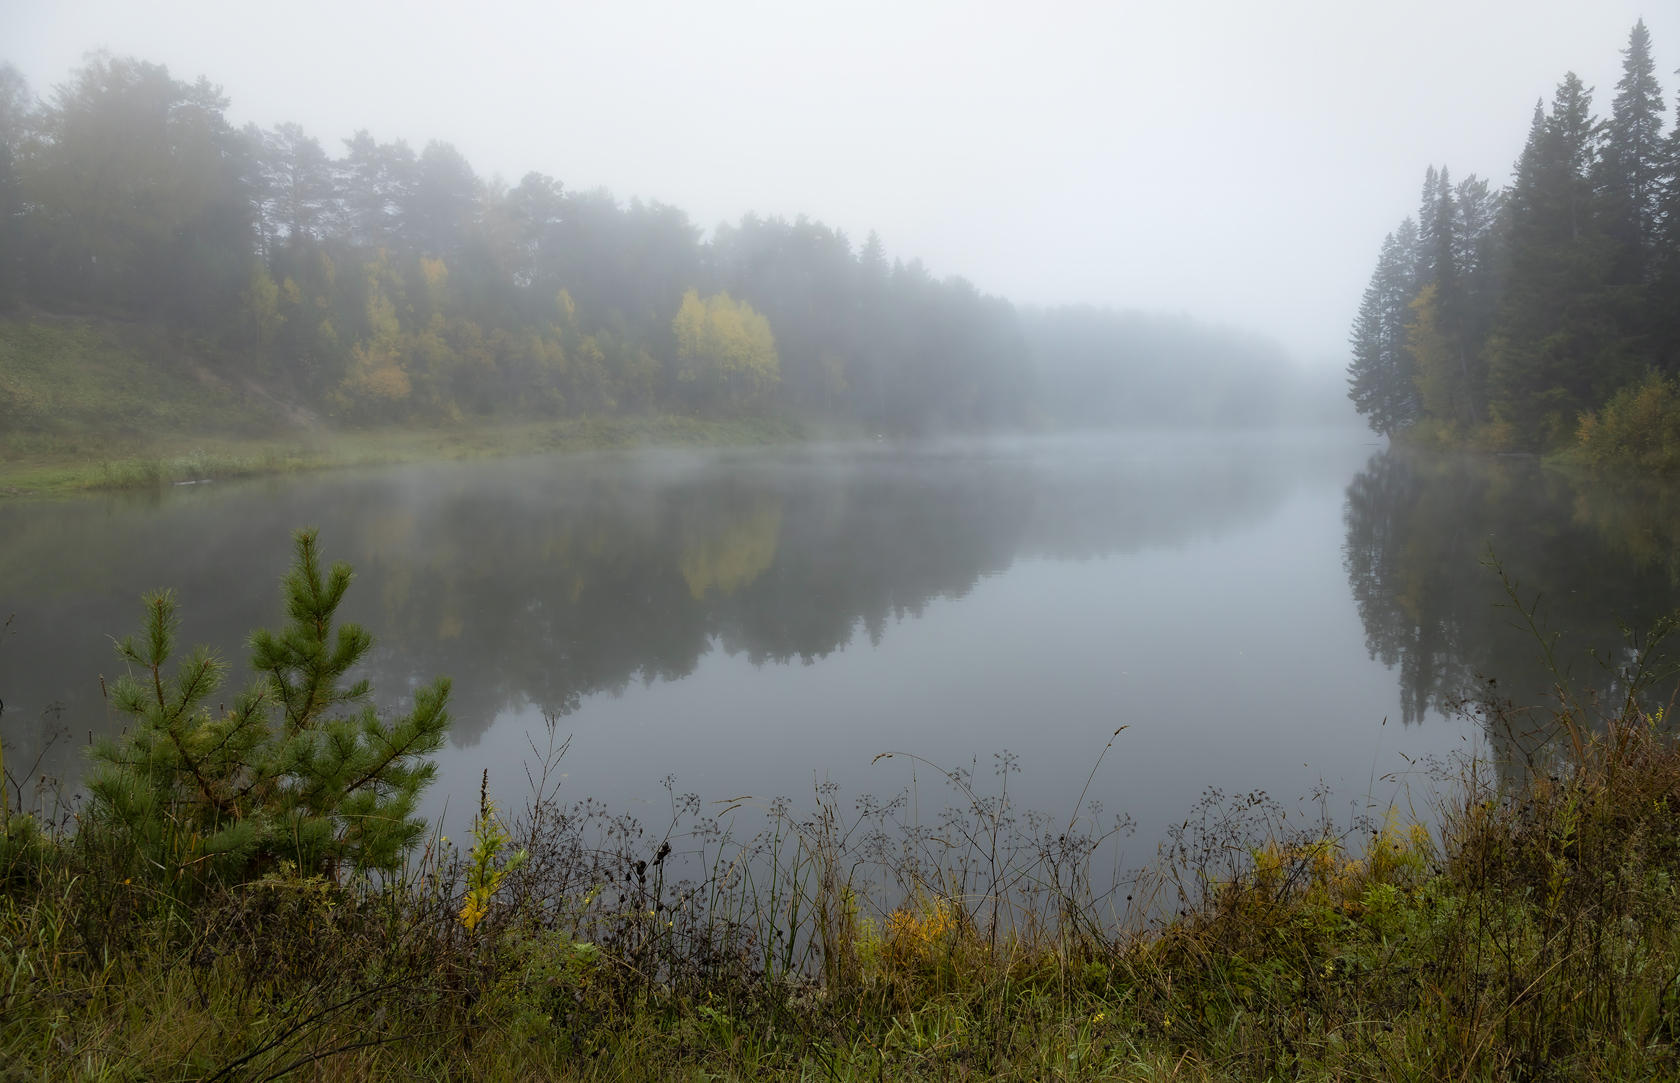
<point>1253,606</point>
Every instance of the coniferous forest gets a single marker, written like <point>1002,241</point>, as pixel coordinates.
<point>1544,315</point>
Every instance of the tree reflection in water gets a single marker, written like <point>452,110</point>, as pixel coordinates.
<point>1421,530</point>
<point>543,582</point>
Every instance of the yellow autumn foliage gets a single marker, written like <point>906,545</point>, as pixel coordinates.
<point>723,346</point>
<point>729,557</point>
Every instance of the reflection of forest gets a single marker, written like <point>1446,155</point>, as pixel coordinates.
<point>1419,532</point>
<point>544,582</point>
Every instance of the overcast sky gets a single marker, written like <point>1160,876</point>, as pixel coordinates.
<point>1239,161</point>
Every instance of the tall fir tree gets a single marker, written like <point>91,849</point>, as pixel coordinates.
<point>1631,166</point>
<point>1479,259</point>
<point>1382,374</point>
<point>1449,282</point>
<point>1556,348</point>
<point>1663,296</point>
<point>1448,370</point>
<point>1429,205</point>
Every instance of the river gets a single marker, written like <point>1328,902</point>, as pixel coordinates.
<point>1287,612</point>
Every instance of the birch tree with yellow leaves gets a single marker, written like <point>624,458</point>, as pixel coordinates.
<point>724,349</point>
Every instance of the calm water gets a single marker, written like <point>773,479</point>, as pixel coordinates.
<point>1264,611</point>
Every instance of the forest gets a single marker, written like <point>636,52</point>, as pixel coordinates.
<point>1543,316</point>
<point>393,286</point>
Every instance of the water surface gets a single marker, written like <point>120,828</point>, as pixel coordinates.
<point>1263,611</point>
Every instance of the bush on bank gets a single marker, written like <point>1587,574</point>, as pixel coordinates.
<point>1638,428</point>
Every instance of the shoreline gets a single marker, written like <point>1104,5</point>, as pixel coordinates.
<point>158,462</point>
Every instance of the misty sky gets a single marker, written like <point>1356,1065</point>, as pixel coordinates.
<point>1237,161</point>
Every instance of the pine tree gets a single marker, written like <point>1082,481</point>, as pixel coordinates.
<point>1382,374</point>
<point>1631,166</point>
<point>302,771</point>
<point>300,197</point>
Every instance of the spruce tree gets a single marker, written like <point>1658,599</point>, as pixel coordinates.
<point>302,772</point>
<point>1630,169</point>
<point>1381,375</point>
<point>1557,347</point>
<point>1429,205</point>
<point>1663,297</point>
<point>1455,264</point>
<point>1453,390</point>
<point>1478,257</point>
<point>1442,236</point>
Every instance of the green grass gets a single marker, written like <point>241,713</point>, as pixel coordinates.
<point>88,405</point>
<point>71,384</point>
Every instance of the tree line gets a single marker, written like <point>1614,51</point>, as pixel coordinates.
<point>384,283</point>
<point>1506,318</point>
<point>389,283</point>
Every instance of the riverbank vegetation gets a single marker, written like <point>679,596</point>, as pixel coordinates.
<point>246,895</point>
<point>165,276</point>
<point>1543,316</point>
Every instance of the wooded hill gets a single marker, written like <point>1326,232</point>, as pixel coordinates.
<point>389,285</point>
<point>1506,318</point>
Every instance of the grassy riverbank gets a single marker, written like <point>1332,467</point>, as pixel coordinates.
<point>164,460</point>
<point>1530,934</point>
<point>88,405</point>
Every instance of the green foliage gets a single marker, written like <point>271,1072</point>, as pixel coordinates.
<point>302,771</point>
<point>1639,428</point>
<point>134,195</point>
<point>1556,347</point>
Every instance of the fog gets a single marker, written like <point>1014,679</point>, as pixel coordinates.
<point>1237,163</point>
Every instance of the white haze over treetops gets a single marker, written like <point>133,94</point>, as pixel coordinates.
<point>1236,161</point>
